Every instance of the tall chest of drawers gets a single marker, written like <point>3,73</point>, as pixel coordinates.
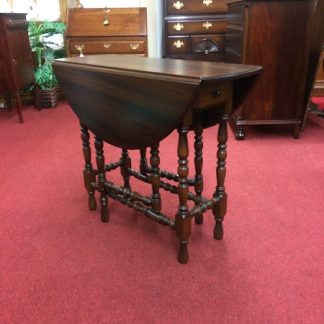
<point>275,35</point>
<point>106,31</point>
<point>194,29</point>
<point>16,62</point>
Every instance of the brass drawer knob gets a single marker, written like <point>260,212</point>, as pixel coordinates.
<point>80,47</point>
<point>134,47</point>
<point>207,25</point>
<point>207,2</point>
<point>106,45</point>
<point>178,44</point>
<point>178,27</point>
<point>178,5</point>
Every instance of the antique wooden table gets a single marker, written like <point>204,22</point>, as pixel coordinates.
<point>134,103</point>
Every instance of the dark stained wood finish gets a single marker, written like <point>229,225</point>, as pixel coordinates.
<point>16,63</point>
<point>126,32</point>
<point>318,90</point>
<point>133,103</point>
<point>194,29</point>
<point>274,34</point>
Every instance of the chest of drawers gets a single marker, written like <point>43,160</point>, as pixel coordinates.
<point>106,31</point>
<point>194,29</point>
<point>275,35</point>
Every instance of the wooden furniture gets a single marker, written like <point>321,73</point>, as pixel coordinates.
<point>318,90</point>
<point>135,102</point>
<point>16,63</point>
<point>275,35</point>
<point>194,29</point>
<point>106,31</point>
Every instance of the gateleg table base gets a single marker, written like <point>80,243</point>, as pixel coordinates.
<point>97,181</point>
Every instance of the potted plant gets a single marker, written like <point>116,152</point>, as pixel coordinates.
<point>45,39</point>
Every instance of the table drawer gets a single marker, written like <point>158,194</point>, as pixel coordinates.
<point>179,44</point>
<point>179,7</point>
<point>207,44</point>
<point>196,27</point>
<point>213,95</point>
<point>107,47</point>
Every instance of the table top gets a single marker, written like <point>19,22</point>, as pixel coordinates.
<point>194,71</point>
<point>134,102</point>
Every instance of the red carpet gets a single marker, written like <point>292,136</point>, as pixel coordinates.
<point>60,264</point>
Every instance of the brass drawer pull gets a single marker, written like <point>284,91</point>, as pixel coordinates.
<point>134,46</point>
<point>178,27</point>
<point>207,2</point>
<point>207,25</point>
<point>80,49</point>
<point>178,5</point>
<point>106,45</point>
<point>178,44</point>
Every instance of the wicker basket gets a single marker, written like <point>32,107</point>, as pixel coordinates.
<point>46,98</point>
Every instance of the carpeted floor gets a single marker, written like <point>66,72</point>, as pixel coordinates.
<point>60,264</point>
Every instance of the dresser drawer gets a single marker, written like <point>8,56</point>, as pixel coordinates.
<point>207,44</point>
<point>179,44</point>
<point>121,22</point>
<point>107,47</point>
<point>196,27</point>
<point>180,7</point>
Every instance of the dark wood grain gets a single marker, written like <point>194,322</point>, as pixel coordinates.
<point>167,85</point>
<point>276,35</point>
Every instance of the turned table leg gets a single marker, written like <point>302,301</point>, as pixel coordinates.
<point>183,219</point>
<point>143,161</point>
<point>126,164</point>
<point>155,178</point>
<point>101,179</point>
<point>219,210</point>
<point>199,184</point>
<point>88,172</point>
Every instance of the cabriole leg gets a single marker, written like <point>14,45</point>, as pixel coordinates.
<point>88,172</point>
<point>183,219</point>
<point>101,179</point>
<point>219,209</point>
<point>198,168</point>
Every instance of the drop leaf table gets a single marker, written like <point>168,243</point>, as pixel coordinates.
<point>135,102</point>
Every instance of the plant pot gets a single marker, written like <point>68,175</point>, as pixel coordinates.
<point>46,98</point>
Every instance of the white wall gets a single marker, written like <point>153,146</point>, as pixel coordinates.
<point>154,18</point>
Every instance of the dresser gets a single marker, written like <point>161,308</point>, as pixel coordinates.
<point>194,29</point>
<point>106,31</point>
<point>275,35</point>
<point>16,63</point>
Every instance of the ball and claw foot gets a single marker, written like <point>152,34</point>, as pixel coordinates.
<point>183,254</point>
<point>218,231</point>
<point>104,214</point>
<point>199,219</point>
